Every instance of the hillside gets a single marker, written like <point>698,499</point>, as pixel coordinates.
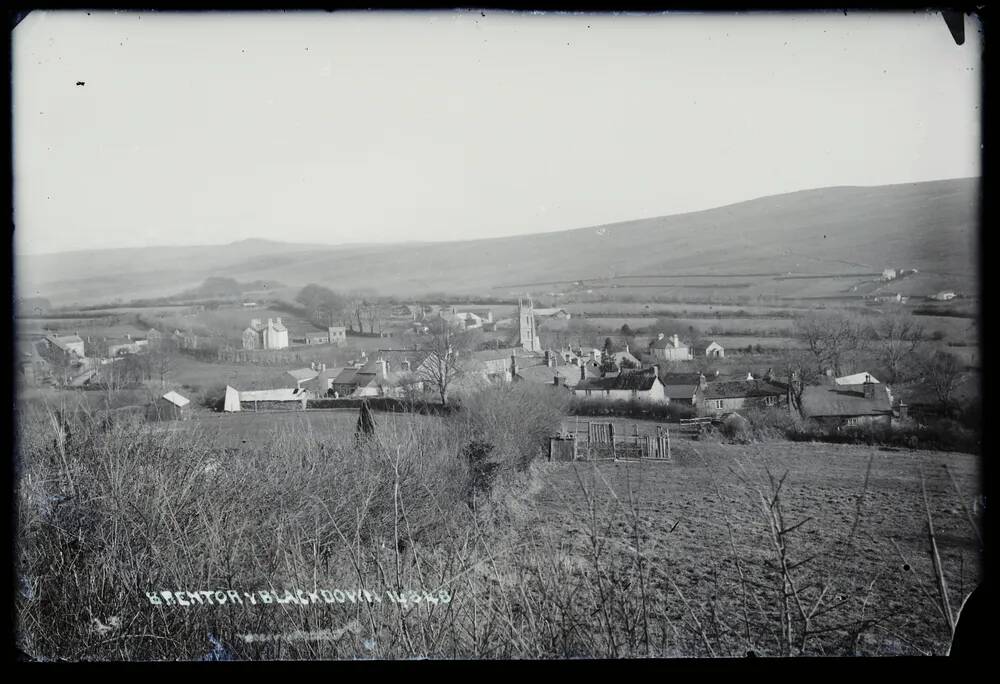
<point>744,247</point>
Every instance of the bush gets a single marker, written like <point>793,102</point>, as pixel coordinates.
<point>736,428</point>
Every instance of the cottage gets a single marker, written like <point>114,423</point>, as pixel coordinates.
<point>549,369</point>
<point>836,405</point>
<point>337,334</point>
<point>720,397</point>
<point>317,338</point>
<point>623,386</point>
<point>684,388</point>
<point>301,376</point>
<point>669,349</point>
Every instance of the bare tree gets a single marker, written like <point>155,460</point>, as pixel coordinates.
<point>942,371</point>
<point>443,365</point>
<point>898,337</point>
<point>833,339</point>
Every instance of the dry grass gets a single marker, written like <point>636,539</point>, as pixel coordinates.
<point>555,560</point>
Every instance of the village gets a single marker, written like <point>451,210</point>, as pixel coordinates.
<point>419,354</point>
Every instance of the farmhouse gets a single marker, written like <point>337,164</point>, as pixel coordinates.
<point>684,388</point>
<point>272,335</point>
<point>549,369</point>
<point>70,345</point>
<point>171,406</point>
<point>847,405</point>
<point>719,397</point>
<point>644,384</point>
<point>669,349</point>
<point>623,359</point>
<point>374,379</point>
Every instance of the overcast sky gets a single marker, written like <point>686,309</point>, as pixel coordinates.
<point>377,127</point>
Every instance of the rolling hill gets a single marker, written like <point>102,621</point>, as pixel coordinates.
<point>929,226</point>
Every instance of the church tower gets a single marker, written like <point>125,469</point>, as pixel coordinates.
<point>527,336</point>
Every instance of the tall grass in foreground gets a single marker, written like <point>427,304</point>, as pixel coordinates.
<point>111,509</point>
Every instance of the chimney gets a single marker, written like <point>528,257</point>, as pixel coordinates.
<point>677,342</point>
<point>626,348</point>
<point>128,336</point>
<point>583,372</point>
<point>513,365</point>
<point>322,367</point>
<point>749,375</point>
<point>278,320</point>
<point>659,336</point>
<point>869,388</point>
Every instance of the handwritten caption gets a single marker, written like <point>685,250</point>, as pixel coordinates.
<point>221,597</point>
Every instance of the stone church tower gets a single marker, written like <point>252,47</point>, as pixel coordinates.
<point>527,335</point>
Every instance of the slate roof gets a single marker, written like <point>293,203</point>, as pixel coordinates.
<point>61,341</point>
<point>743,388</point>
<point>627,380</point>
<point>844,401</point>
<point>302,374</point>
<point>669,379</point>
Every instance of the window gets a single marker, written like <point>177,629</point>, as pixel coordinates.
<point>717,403</point>
<point>769,401</point>
<point>853,421</point>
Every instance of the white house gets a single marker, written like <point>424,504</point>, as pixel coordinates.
<point>670,349</point>
<point>644,384</point>
<point>715,351</point>
<point>273,335</point>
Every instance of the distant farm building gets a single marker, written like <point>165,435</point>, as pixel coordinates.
<point>944,296</point>
<point>272,335</point>
<point>555,314</point>
<point>714,350</point>
<point>669,349</point>
<point>889,274</point>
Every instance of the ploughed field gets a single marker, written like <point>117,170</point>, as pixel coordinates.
<point>865,548</point>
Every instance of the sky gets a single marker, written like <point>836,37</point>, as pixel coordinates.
<point>211,128</point>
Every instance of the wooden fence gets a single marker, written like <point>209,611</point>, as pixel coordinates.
<point>602,444</point>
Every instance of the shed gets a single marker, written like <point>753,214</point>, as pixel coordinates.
<point>171,406</point>
<point>232,402</point>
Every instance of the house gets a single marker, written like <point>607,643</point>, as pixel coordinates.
<point>337,334</point>
<point>317,338</point>
<point>301,376</point>
<point>839,406</point>
<point>684,388</point>
<point>889,274</point>
<point>623,386</point>
<point>170,406</point>
<point>943,296</point>
<point>272,335</point>
<point>374,379</point>
<point>485,315</point>
<point>623,358</point>
<point>249,305</point>
<point>714,350</point>
<point>467,320</point>
<point>669,349</point>
<point>856,379</point>
<point>69,345</point>
<point>719,397</point>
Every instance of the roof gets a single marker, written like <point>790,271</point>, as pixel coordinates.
<point>856,379</point>
<point>62,341</point>
<point>284,394</point>
<point>345,377</point>
<point>666,342</point>
<point>301,374</point>
<point>844,400</point>
<point>318,334</point>
<point>626,380</point>
<point>396,357</point>
<point>669,379</point>
<point>548,312</point>
<point>546,374</point>
<point>176,399</point>
<point>743,388</point>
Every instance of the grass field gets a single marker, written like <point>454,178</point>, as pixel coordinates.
<point>696,517</point>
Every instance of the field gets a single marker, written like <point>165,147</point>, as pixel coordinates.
<point>228,430</point>
<point>690,511</point>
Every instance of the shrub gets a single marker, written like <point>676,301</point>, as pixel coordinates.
<point>736,428</point>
